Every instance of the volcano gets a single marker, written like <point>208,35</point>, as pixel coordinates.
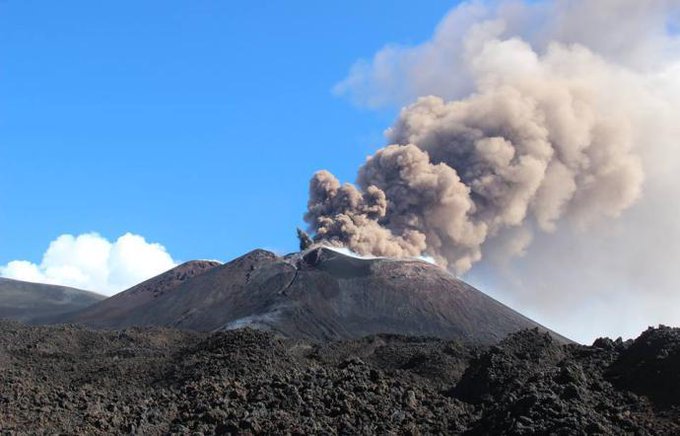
<point>319,294</point>
<point>30,302</point>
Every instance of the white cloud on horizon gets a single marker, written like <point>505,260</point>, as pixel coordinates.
<point>91,262</point>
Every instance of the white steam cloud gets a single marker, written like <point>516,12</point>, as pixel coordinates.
<point>91,262</point>
<point>538,138</point>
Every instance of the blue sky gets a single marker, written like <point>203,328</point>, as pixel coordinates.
<point>196,124</point>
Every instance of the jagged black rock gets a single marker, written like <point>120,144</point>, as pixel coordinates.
<point>68,379</point>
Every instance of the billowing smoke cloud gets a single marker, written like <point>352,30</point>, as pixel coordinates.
<point>522,119</point>
<point>544,137</point>
<point>91,262</point>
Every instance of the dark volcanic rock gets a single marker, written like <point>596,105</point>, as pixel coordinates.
<point>164,381</point>
<point>508,366</point>
<point>319,294</point>
<point>651,366</point>
<point>25,301</point>
<point>529,384</point>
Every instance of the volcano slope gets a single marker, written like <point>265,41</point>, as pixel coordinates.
<point>31,302</point>
<point>136,305</point>
<point>71,380</point>
<point>319,294</point>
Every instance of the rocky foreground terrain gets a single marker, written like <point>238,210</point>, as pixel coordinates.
<point>67,379</point>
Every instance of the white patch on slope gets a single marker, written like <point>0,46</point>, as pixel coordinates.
<point>350,253</point>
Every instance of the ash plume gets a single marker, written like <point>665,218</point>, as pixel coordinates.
<point>528,149</point>
<point>522,134</point>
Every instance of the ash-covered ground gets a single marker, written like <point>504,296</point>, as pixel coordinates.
<point>69,379</point>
